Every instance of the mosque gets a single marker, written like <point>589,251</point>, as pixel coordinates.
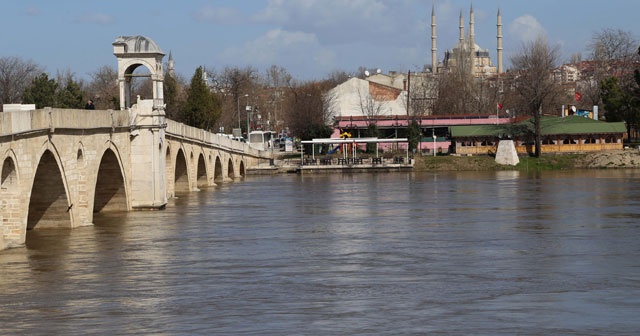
<point>466,53</point>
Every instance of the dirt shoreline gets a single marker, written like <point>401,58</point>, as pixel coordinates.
<point>620,159</point>
<point>627,158</point>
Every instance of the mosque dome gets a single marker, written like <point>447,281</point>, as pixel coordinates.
<point>137,44</point>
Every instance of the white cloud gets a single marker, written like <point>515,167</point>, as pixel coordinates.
<point>526,28</point>
<point>278,42</point>
<point>339,21</point>
<point>217,15</point>
<point>96,18</point>
<point>298,50</point>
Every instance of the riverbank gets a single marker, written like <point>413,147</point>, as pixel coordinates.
<point>628,158</point>
<point>620,159</point>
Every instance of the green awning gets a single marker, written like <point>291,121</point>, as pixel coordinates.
<point>549,126</point>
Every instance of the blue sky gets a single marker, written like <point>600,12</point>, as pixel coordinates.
<point>309,38</point>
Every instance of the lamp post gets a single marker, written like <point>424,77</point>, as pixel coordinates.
<point>245,95</point>
<point>434,141</point>
<point>248,108</point>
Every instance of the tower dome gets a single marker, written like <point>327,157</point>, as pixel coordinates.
<point>137,44</point>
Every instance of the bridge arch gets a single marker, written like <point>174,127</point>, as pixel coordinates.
<point>110,187</point>
<point>230,172</point>
<point>181,175</point>
<point>211,166</point>
<point>49,205</point>
<point>169,173</point>
<point>217,171</point>
<point>242,169</point>
<point>202,179</point>
<point>9,181</point>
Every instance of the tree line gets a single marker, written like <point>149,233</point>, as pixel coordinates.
<point>241,97</point>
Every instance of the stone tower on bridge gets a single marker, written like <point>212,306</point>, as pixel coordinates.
<point>147,118</point>
<point>132,52</point>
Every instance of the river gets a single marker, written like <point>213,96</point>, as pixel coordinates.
<point>460,253</point>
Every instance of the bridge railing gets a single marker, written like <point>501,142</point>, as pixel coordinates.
<point>179,130</point>
<point>48,118</point>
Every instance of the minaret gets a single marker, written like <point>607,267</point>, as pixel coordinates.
<point>434,50</point>
<point>171,69</point>
<point>472,41</point>
<point>499,37</point>
<point>472,32</point>
<point>461,29</point>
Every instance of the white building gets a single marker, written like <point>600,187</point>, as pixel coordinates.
<point>366,99</point>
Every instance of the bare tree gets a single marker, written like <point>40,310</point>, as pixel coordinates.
<point>534,84</point>
<point>306,111</point>
<point>423,93</point>
<point>371,104</point>
<point>613,45</point>
<point>338,77</point>
<point>276,81</point>
<point>103,88</point>
<point>457,89</point>
<point>458,94</point>
<point>232,84</point>
<point>613,54</point>
<point>15,75</point>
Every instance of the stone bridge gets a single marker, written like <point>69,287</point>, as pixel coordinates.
<point>60,166</point>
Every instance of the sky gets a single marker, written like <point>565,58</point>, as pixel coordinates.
<point>308,38</point>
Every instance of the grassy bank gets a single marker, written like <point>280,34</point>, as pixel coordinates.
<point>485,162</point>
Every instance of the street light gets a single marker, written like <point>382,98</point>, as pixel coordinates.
<point>248,108</point>
<point>245,95</point>
<point>434,140</point>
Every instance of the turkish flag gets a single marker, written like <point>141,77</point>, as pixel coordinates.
<point>578,96</point>
<point>499,106</point>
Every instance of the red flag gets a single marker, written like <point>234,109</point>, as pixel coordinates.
<point>578,96</point>
<point>499,106</point>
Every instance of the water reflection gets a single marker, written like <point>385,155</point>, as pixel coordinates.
<point>399,253</point>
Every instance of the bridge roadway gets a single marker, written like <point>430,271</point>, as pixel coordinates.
<point>60,166</point>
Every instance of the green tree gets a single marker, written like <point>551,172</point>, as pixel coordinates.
<point>70,95</point>
<point>620,102</point>
<point>373,132</point>
<point>414,135</point>
<point>41,92</point>
<point>171,97</point>
<point>202,108</point>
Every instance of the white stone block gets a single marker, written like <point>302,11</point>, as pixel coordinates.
<point>506,154</point>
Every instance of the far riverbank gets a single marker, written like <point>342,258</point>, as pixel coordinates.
<point>628,158</point>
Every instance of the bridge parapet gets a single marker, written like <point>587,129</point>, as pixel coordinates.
<point>18,122</point>
<point>181,131</point>
<point>49,119</point>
